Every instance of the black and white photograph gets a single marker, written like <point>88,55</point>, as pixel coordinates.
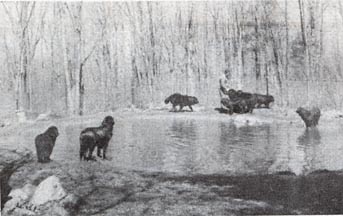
<point>171,108</point>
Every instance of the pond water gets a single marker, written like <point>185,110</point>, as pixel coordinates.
<point>193,144</point>
<point>199,146</point>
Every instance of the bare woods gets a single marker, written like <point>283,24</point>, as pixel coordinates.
<point>81,57</point>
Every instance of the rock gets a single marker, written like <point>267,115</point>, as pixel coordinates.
<point>19,194</point>
<point>13,203</point>
<point>48,190</point>
<point>20,212</point>
<point>10,161</point>
<point>22,194</point>
<point>70,202</point>
<point>29,189</point>
<point>48,198</point>
<point>19,198</point>
<point>58,210</point>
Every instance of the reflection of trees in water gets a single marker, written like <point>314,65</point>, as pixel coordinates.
<point>247,148</point>
<point>282,149</point>
<point>310,140</point>
<point>148,141</point>
<point>309,137</point>
<point>183,137</point>
<point>183,131</point>
<point>228,133</point>
<point>311,194</point>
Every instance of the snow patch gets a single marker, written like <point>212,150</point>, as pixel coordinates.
<point>250,120</point>
<point>331,114</point>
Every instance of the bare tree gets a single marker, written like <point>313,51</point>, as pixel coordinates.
<point>26,38</point>
<point>80,56</point>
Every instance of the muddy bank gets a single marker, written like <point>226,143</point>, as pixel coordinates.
<point>320,192</point>
<point>106,190</point>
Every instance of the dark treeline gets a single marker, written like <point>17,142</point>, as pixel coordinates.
<point>82,57</point>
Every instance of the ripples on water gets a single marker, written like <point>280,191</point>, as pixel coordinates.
<point>213,146</point>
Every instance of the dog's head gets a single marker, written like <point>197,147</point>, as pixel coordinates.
<point>52,131</point>
<point>270,98</point>
<point>108,121</point>
<point>232,94</point>
<point>193,100</point>
<point>299,110</point>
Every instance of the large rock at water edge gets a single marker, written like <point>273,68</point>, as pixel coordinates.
<point>10,161</point>
<point>48,190</point>
<point>19,197</point>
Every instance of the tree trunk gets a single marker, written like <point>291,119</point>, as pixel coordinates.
<point>286,53</point>
<point>23,98</point>
<point>79,90</point>
<point>240,55</point>
<point>67,74</point>
<point>303,33</point>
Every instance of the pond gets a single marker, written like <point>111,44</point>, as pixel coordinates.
<point>212,164</point>
<point>213,146</point>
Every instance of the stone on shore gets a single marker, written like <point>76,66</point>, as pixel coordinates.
<point>48,190</point>
<point>10,161</point>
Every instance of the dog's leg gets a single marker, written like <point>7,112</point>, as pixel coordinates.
<point>104,151</point>
<point>90,153</point>
<point>99,151</point>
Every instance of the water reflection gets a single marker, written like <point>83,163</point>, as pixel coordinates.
<point>321,194</point>
<point>309,142</point>
<point>213,146</point>
<point>179,154</point>
<point>183,132</point>
<point>248,148</point>
<point>310,136</point>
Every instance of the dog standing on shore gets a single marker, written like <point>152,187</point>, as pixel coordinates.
<point>45,143</point>
<point>178,99</point>
<point>96,137</point>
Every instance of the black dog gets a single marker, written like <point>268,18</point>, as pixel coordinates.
<point>96,137</point>
<point>309,116</point>
<point>264,100</point>
<point>181,100</point>
<point>45,143</point>
<point>246,99</point>
<point>250,99</point>
<point>235,106</point>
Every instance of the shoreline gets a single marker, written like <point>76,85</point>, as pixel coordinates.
<point>129,192</point>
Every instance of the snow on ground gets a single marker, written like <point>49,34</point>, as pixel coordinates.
<point>10,121</point>
<point>258,117</point>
